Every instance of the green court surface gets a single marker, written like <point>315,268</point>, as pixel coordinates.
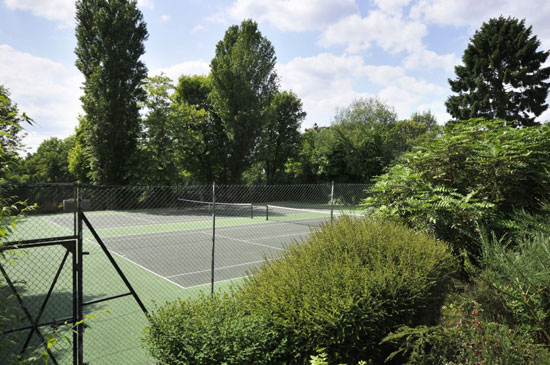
<point>164,254</point>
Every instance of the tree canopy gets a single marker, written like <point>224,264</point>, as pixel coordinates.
<point>11,121</point>
<point>502,75</point>
<point>244,82</point>
<point>110,36</point>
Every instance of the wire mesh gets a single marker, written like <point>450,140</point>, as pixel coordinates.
<point>163,239</point>
<point>42,279</point>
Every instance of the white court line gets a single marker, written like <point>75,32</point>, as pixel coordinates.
<point>141,219</point>
<point>215,282</point>
<point>197,231</point>
<point>283,235</point>
<point>127,259</point>
<point>250,242</point>
<point>60,226</point>
<point>193,232</point>
<point>218,268</point>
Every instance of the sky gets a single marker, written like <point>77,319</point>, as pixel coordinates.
<point>329,52</point>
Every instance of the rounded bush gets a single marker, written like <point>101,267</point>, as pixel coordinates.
<point>349,285</point>
<point>211,330</point>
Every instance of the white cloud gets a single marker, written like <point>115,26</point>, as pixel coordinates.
<point>146,4</point>
<point>326,82</point>
<point>392,6</point>
<point>392,33</point>
<point>199,67</point>
<point>323,82</point>
<point>292,15</point>
<point>423,58</point>
<point>165,17</point>
<point>473,13</point>
<point>61,11</point>
<point>401,91</point>
<point>197,28</point>
<point>47,91</point>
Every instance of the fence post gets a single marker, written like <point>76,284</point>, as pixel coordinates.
<point>213,236</point>
<point>332,202</point>
<point>80,291</point>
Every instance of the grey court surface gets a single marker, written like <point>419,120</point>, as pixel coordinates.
<point>184,257</point>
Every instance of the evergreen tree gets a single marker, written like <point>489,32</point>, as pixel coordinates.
<point>110,36</point>
<point>502,75</point>
<point>243,84</point>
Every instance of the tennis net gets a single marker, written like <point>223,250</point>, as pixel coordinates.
<point>199,207</point>
<point>308,217</point>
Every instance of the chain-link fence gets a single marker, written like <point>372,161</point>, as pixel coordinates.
<point>169,242</point>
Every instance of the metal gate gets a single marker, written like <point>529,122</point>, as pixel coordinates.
<point>41,296</point>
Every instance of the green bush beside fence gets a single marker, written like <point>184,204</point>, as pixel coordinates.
<point>342,290</point>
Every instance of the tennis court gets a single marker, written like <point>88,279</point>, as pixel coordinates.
<point>177,247</point>
<point>164,247</point>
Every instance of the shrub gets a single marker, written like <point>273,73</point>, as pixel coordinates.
<point>476,173</point>
<point>468,341</point>
<point>211,330</point>
<point>516,281</point>
<point>347,286</point>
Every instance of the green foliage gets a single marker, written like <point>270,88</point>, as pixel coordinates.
<point>468,341</point>
<point>211,330</point>
<point>348,285</point>
<point>361,142</point>
<point>502,75</point>
<point>200,137</point>
<point>516,280</point>
<point>427,119</point>
<point>474,174</point>
<point>110,36</point>
<point>244,82</point>
<point>194,90</point>
<point>10,133</point>
<point>280,138</point>
<point>157,147</point>
<point>50,162</point>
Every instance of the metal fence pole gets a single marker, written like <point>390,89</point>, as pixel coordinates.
<point>213,236</point>
<point>332,202</point>
<point>80,291</point>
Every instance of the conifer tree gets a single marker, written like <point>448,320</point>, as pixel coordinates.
<point>501,76</point>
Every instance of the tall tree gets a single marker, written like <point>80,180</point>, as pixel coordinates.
<point>159,165</point>
<point>281,137</point>
<point>501,76</point>
<point>11,121</point>
<point>201,139</point>
<point>243,83</point>
<point>110,36</point>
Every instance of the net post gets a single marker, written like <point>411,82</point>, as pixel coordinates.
<point>332,202</point>
<point>213,236</point>
<point>251,211</point>
<point>267,212</point>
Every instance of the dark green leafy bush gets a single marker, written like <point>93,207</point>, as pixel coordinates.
<point>349,285</point>
<point>468,341</point>
<point>211,330</point>
<point>477,173</point>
